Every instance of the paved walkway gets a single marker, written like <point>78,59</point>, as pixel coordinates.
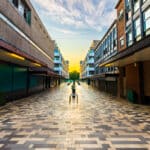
<point>98,122</point>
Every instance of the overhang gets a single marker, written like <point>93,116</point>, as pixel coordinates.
<point>140,51</point>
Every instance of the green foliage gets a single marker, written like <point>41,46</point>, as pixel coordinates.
<point>74,75</point>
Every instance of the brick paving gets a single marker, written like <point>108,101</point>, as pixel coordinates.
<point>46,121</point>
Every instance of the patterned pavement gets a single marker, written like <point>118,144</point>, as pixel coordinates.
<point>46,121</point>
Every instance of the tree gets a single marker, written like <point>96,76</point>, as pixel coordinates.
<point>74,75</point>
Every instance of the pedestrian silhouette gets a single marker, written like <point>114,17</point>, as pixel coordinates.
<point>73,94</point>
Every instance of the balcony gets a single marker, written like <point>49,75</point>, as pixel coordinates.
<point>57,61</point>
<point>57,68</point>
<point>57,54</point>
<point>91,54</point>
<point>90,69</point>
<point>90,61</point>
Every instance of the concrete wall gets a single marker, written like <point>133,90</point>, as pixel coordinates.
<point>36,32</point>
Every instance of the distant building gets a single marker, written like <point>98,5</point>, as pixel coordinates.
<point>87,67</point>
<point>61,67</point>
<point>105,76</point>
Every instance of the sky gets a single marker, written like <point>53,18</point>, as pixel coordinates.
<point>73,24</point>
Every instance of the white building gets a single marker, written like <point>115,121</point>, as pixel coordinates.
<point>61,67</point>
<point>87,68</point>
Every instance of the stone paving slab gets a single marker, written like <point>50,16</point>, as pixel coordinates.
<point>47,121</point>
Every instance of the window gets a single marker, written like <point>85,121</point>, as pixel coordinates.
<point>146,21</point>
<point>128,15</point>
<point>136,5</point>
<point>23,9</point>
<point>128,5</point>
<point>15,2</point>
<point>137,29</point>
<point>128,9</point>
<point>144,1</point>
<point>121,13</point>
<point>122,41</point>
<point>129,38</point>
<point>27,15</point>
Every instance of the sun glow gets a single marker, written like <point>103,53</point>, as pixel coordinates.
<point>75,67</point>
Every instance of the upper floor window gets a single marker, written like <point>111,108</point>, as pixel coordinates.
<point>146,21</point>
<point>136,5</point>
<point>128,5</point>
<point>137,29</point>
<point>15,2</point>
<point>121,14</point>
<point>144,1</point>
<point>122,41</point>
<point>128,15</point>
<point>114,37</point>
<point>23,9</point>
<point>129,38</point>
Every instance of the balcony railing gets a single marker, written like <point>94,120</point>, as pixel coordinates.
<point>58,61</point>
<point>57,68</point>
<point>56,54</point>
<point>90,61</point>
<point>90,69</point>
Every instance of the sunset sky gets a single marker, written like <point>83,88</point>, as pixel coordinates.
<point>75,23</point>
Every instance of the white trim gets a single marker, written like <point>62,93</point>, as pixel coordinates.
<point>6,20</point>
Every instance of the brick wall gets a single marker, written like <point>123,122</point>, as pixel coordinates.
<point>132,79</point>
<point>146,73</point>
<point>121,24</point>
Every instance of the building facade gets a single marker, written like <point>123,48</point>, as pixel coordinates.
<point>122,57</point>
<point>26,50</point>
<point>61,66</point>
<point>133,57</point>
<point>105,77</point>
<point>87,67</point>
